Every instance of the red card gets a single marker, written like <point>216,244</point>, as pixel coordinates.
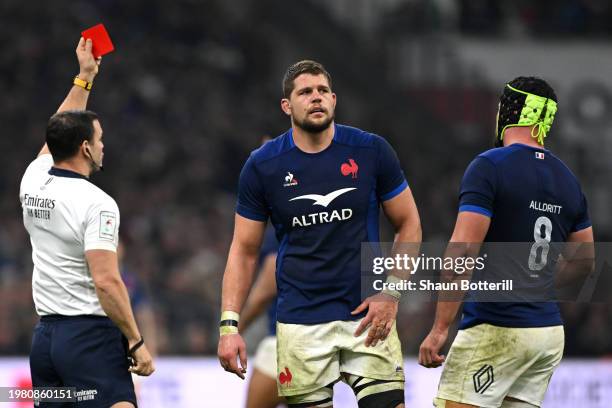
<point>102,43</point>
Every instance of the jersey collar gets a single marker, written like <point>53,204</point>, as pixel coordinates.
<point>54,171</point>
<point>540,149</point>
<point>292,143</point>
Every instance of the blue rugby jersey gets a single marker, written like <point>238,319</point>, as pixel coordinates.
<point>528,193</point>
<point>323,206</point>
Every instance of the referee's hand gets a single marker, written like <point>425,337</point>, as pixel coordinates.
<point>88,65</point>
<point>231,347</point>
<point>144,362</point>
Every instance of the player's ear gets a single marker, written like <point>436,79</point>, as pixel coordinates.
<point>85,148</point>
<point>286,106</point>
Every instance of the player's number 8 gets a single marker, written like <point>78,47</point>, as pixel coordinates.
<point>542,242</point>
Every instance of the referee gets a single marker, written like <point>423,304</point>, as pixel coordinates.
<point>87,337</point>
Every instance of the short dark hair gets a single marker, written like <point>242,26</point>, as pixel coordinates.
<point>299,68</point>
<point>67,130</point>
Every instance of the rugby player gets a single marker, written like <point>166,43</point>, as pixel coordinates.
<point>505,352</point>
<point>322,185</point>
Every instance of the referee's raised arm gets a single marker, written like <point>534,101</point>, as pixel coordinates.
<point>82,83</point>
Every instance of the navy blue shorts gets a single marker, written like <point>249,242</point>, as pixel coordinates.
<point>86,352</point>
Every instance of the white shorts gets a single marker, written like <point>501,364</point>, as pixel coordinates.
<point>488,363</point>
<point>265,357</point>
<point>311,357</point>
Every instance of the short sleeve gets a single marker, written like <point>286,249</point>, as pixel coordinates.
<point>583,220</point>
<point>41,164</point>
<point>37,168</point>
<point>251,202</point>
<point>390,179</point>
<point>102,229</point>
<point>478,187</point>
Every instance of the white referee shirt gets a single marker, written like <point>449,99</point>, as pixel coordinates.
<point>65,216</point>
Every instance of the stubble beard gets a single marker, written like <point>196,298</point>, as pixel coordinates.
<point>311,127</point>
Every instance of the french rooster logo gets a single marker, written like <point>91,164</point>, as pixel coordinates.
<point>285,377</point>
<point>350,168</point>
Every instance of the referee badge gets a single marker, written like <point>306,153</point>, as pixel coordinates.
<point>108,225</point>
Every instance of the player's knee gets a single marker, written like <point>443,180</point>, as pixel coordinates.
<point>385,399</point>
<point>517,404</point>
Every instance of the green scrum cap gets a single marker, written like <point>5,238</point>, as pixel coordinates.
<point>521,108</point>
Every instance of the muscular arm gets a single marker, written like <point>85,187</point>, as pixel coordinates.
<point>237,279</point>
<point>115,301</point>
<point>241,263</point>
<point>77,96</point>
<point>470,228</point>
<point>403,214</point>
<point>382,307</point>
<point>112,292</point>
<point>470,231</point>
<point>578,259</point>
<point>262,293</point>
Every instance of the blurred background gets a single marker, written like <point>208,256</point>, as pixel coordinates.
<point>194,84</point>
